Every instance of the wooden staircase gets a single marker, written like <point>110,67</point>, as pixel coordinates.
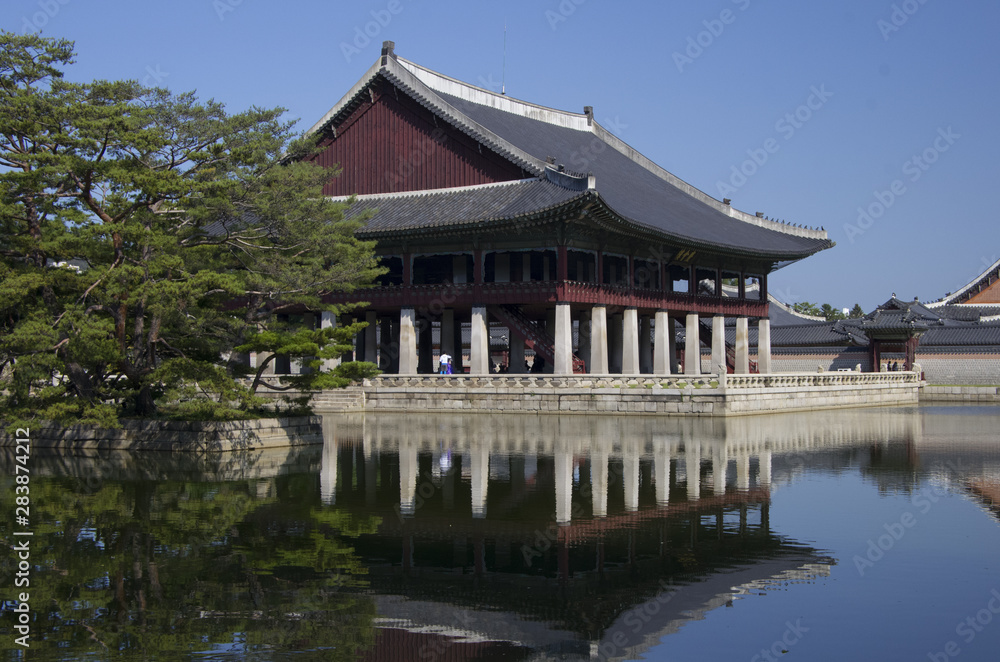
<point>532,334</point>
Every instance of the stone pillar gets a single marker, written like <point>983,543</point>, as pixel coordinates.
<point>718,345</point>
<point>371,344</point>
<point>692,346</point>
<point>645,345</point>
<point>479,343</point>
<point>764,346</point>
<point>630,342</point>
<point>599,340</point>
<point>663,327</point>
<point>564,483</point>
<point>742,346</point>
<point>407,342</point>
<point>564,340</point>
<point>615,343</point>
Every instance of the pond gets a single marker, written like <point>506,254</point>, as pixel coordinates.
<point>869,534</point>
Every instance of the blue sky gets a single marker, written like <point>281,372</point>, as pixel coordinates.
<point>808,112</point>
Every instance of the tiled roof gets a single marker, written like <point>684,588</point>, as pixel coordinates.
<point>460,206</point>
<point>634,192</point>
<point>628,187</point>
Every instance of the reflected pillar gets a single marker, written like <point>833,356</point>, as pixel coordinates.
<point>599,480</point>
<point>764,470</point>
<point>661,474</point>
<point>743,471</point>
<point>328,465</point>
<point>692,345</point>
<point>692,468</point>
<point>407,478</point>
<point>630,471</point>
<point>480,466</point>
<point>720,463</point>
<point>564,484</point>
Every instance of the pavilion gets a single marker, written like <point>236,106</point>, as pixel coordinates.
<point>494,210</point>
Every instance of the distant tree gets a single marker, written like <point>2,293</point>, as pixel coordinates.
<point>831,314</point>
<point>144,236</point>
<point>807,308</point>
<point>857,312</point>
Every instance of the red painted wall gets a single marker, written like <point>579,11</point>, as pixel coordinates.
<point>989,294</point>
<point>391,143</point>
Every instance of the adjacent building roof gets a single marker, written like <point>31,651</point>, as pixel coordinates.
<point>985,281</point>
<point>626,185</point>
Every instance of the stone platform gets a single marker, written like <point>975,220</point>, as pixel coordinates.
<point>703,395</point>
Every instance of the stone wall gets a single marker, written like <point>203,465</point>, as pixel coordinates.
<point>961,394</point>
<point>960,369</point>
<point>182,436</point>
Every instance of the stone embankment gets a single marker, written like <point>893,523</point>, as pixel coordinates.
<point>182,436</point>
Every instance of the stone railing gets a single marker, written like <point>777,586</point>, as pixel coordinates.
<point>541,381</point>
<point>807,379</point>
<point>776,380</point>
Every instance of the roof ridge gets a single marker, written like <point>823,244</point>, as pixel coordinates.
<point>435,191</point>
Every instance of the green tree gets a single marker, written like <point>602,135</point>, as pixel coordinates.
<point>144,236</point>
<point>831,313</point>
<point>857,312</point>
<point>807,308</point>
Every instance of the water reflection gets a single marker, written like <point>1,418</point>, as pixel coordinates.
<point>461,537</point>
